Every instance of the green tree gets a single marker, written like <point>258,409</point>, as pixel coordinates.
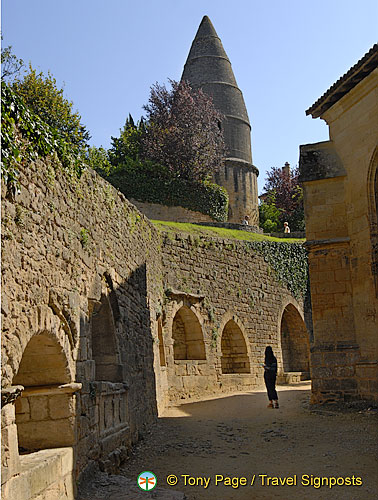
<point>285,192</point>
<point>128,144</point>
<point>11,65</point>
<point>44,98</point>
<point>269,215</point>
<point>98,159</point>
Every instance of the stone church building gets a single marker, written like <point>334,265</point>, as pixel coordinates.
<point>341,204</point>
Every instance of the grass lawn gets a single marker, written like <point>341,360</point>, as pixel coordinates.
<point>218,232</point>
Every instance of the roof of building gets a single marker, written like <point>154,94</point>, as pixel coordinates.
<point>208,67</point>
<point>344,84</point>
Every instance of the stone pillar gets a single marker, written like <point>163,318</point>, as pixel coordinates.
<point>335,351</point>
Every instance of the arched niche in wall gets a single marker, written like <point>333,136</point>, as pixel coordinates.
<point>104,342</point>
<point>45,412</point>
<point>234,350</point>
<point>187,335</point>
<point>294,341</point>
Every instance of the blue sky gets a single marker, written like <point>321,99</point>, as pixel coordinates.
<point>285,54</point>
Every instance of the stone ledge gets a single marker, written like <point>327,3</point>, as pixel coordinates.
<point>231,225</point>
<point>327,242</point>
<point>178,293</point>
<point>292,377</point>
<point>51,390</point>
<point>10,394</point>
<point>40,471</point>
<point>293,234</point>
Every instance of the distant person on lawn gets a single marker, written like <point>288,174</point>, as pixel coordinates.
<point>286,227</point>
<point>270,374</point>
<point>245,221</point>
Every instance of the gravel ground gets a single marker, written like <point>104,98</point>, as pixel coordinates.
<point>237,437</point>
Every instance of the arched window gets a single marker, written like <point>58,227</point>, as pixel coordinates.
<point>294,341</point>
<point>234,350</point>
<point>187,336</point>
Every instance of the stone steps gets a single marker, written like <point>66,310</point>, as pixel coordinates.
<point>292,377</point>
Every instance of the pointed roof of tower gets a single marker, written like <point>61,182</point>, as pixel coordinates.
<point>207,60</point>
<point>206,28</point>
<point>207,44</point>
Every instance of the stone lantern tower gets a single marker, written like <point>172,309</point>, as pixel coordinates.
<point>209,68</point>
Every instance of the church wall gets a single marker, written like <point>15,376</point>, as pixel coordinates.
<point>339,219</point>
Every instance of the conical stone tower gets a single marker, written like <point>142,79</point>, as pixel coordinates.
<point>209,68</point>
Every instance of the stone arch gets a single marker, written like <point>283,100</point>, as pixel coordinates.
<point>42,319</point>
<point>104,340</point>
<point>295,343</point>
<point>43,363</point>
<point>44,413</point>
<point>372,186</point>
<point>233,346</point>
<point>187,335</point>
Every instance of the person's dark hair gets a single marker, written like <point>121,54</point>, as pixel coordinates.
<point>269,356</point>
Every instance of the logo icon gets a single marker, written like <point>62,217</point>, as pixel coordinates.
<point>147,481</point>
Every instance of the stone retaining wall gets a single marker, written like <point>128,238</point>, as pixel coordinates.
<point>220,281</point>
<point>155,211</point>
<point>77,254</point>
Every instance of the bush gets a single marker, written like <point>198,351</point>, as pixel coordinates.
<point>153,183</point>
<point>24,137</point>
<point>269,215</point>
<point>42,96</point>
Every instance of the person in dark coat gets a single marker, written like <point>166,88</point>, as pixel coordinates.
<point>270,374</point>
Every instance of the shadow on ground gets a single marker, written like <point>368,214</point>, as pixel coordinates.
<point>237,436</point>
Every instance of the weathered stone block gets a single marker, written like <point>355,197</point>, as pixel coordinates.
<point>10,463</point>
<point>17,488</point>
<point>347,384</point>
<point>61,406</point>
<point>38,408</point>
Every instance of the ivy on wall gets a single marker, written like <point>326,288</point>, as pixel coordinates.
<point>24,137</point>
<point>288,261</point>
<point>152,183</point>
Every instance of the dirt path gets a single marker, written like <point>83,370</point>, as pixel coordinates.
<point>237,436</point>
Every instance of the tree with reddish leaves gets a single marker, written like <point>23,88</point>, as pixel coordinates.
<point>183,131</point>
<point>284,191</point>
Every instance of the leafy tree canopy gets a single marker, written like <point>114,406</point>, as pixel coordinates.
<point>286,195</point>
<point>183,131</point>
<point>128,144</point>
<point>44,98</point>
<point>269,215</point>
<point>10,64</point>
